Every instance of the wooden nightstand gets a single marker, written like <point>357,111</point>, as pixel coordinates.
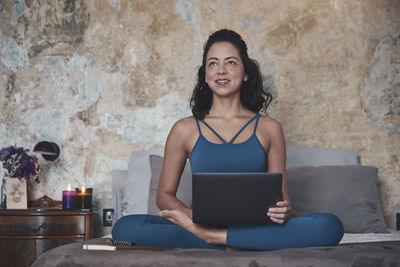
<point>26,234</point>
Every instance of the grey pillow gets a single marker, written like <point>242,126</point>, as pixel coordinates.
<point>350,192</point>
<point>319,156</point>
<point>184,192</point>
<point>136,195</point>
<point>119,179</point>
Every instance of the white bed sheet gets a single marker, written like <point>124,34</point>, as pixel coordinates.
<point>360,238</point>
<point>371,237</point>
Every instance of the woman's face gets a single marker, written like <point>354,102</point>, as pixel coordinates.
<point>224,69</point>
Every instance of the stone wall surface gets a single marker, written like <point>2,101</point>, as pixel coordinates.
<point>104,78</point>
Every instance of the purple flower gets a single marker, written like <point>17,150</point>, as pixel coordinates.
<point>19,163</point>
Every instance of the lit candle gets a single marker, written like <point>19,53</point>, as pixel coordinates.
<point>68,199</point>
<point>84,198</point>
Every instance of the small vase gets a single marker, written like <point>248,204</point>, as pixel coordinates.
<point>3,193</point>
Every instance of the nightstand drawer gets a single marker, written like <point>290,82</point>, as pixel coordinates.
<point>42,225</point>
<point>26,234</point>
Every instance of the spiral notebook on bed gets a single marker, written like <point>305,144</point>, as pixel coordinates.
<point>112,245</point>
<point>234,198</point>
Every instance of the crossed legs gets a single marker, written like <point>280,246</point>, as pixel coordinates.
<point>314,229</point>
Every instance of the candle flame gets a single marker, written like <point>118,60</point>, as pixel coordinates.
<point>83,189</point>
<point>69,187</point>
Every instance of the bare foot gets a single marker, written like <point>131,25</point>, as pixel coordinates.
<point>210,235</point>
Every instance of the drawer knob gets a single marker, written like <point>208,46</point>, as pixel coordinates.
<point>31,229</point>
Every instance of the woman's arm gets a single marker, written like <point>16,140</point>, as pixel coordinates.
<point>276,157</point>
<point>175,156</point>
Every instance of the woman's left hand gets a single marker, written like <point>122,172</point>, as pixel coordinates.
<point>280,213</point>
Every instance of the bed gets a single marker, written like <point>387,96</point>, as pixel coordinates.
<point>319,179</point>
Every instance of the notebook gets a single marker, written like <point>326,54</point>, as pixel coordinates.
<point>234,198</point>
<point>112,245</point>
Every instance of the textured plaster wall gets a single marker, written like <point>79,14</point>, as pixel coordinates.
<point>103,78</point>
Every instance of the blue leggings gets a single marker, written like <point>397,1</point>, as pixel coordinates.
<point>314,229</point>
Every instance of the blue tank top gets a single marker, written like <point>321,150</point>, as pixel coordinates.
<point>248,156</point>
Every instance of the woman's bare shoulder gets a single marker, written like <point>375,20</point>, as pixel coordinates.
<point>183,134</point>
<point>270,126</point>
<point>269,122</point>
<point>184,127</point>
<point>185,123</point>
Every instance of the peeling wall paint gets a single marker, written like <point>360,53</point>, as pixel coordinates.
<point>104,78</point>
<point>15,55</point>
<point>380,91</point>
<point>115,4</point>
<point>184,9</point>
<point>19,9</point>
<point>154,120</point>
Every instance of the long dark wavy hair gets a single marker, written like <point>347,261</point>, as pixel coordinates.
<point>253,95</point>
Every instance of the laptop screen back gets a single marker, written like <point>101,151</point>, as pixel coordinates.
<point>234,198</point>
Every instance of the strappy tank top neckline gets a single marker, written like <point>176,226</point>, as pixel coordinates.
<point>247,156</point>
<point>255,117</point>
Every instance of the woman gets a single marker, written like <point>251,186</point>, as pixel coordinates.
<point>226,134</point>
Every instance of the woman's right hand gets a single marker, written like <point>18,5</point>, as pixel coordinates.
<point>280,214</point>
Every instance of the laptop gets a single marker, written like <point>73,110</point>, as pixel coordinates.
<point>234,198</point>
